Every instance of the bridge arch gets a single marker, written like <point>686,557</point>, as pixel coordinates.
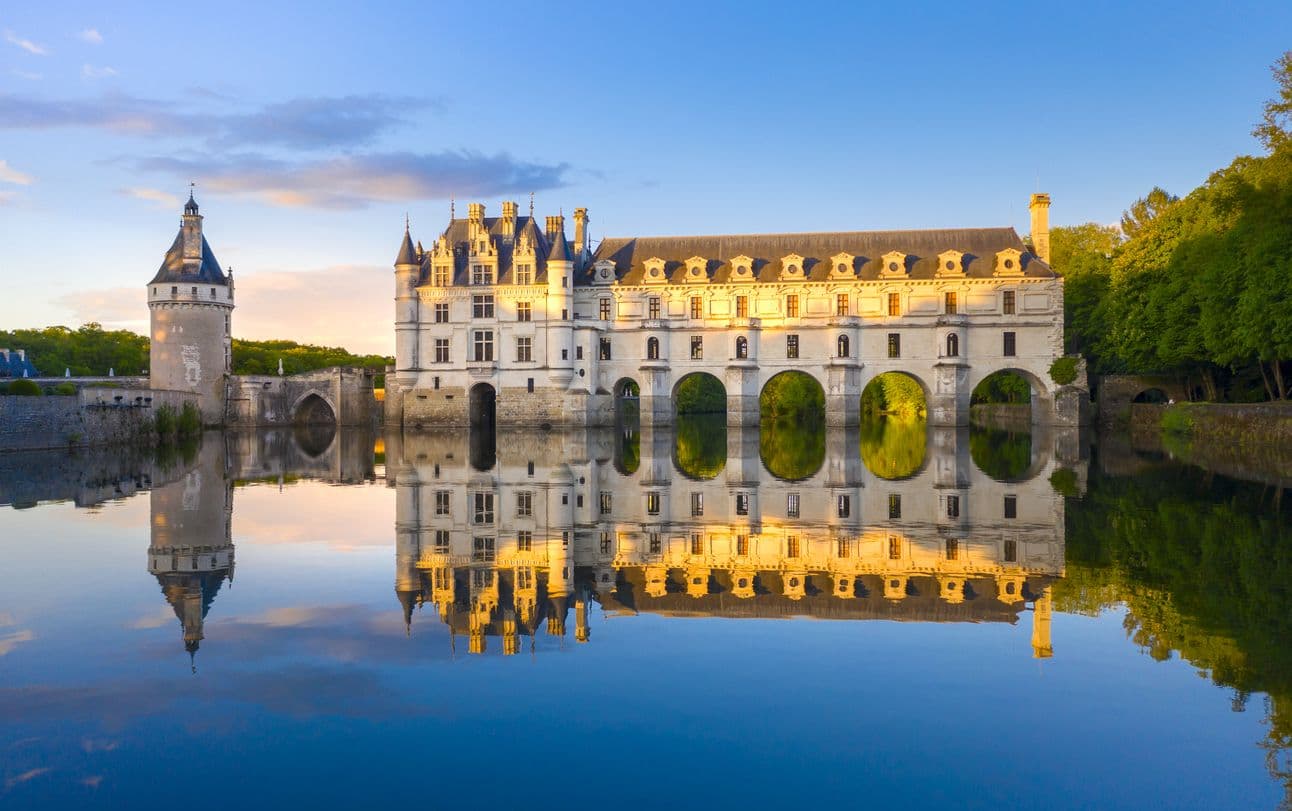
<point>699,393</point>
<point>1040,393</point>
<point>314,407</point>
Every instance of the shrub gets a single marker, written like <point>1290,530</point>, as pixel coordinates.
<point>164,423</point>
<point>24,388</point>
<point>190,421</point>
<point>1064,370</point>
<point>1064,482</point>
<point>64,389</point>
<point>1176,419</point>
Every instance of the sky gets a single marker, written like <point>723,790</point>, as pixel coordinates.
<point>312,130</point>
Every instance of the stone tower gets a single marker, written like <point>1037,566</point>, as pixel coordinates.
<point>190,302</point>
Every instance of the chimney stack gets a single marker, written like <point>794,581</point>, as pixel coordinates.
<point>555,227</point>
<point>1040,208</point>
<point>509,219</point>
<point>581,232</point>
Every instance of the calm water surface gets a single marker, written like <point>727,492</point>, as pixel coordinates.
<point>692,617</point>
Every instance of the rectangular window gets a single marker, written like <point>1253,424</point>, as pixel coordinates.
<point>524,579</point>
<point>841,304</point>
<point>654,543</point>
<point>482,550</point>
<point>482,306</point>
<point>524,541</point>
<point>524,274</point>
<point>578,353</point>
<point>697,347</point>
<point>481,274</point>
<point>845,548</point>
<point>435,381</point>
<point>894,547</point>
<point>742,306</point>
<point>844,506</point>
<point>1007,302</point>
<point>791,346</point>
<point>697,544</point>
<point>441,541</point>
<point>953,549</point>
<point>524,504</point>
<point>697,307</point>
<point>697,504</point>
<point>792,505</point>
<point>652,503</point>
<point>440,278</point>
<point>442,502</point>
<point>791,306</point>
<point>484,345</point>
<point>1011,551</point>
<point>792,546</point>
<point>482,512</point>
<point>742,545</point>
<point>442,313</point>
<point>894,506</point>
<point>605,349</point>
<point>524,311</point>
<point>529,384</point>
<point>1011,344</point>
<point>524,350</point>
<point>949,299</point>
<point>894,345</point>
<point>1011,506</point>
<point>894,303</point>
<point>953,506</point>
<point>606,546</point>
<point>603,309</point>
<point>652,307</point>
<point>742,504</point>
<point>441,350</point>
<point>578,501</point>
<point>607,499</point>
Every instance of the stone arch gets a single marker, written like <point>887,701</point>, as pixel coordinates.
<point>314,408</point>
<point>627,388</point>
<point>699,402</point>
<point>1153,395</point>
<point>1041,394</point>
<point>652,348</point>
<point>953,345</point>
<point>818,387</point>
<point>742,347</point>
<point>919,381</point>
<point>482,403</point>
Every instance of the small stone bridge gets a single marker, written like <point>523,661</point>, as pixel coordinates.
<point>1118,392</point>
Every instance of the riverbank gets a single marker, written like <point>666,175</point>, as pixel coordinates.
<point>1002,416</point>
<point>1251,441</point>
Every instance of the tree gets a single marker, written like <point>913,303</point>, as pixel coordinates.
<point>1073,246</point>
<point>1145,210</point>
<point>1273,131</point>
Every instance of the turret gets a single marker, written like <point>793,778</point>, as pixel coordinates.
<point>560,302</point>
<point>407,272</point>
<point>1039,206</point>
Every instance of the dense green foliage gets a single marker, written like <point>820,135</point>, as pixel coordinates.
<point>171,425</point>
<point>261,358</point>
<point>63,389</point>
<point>87,351</point>
<point>792,449</point>
<point>1002,387</point>
<point>24,388</point>
<point>1200,286</point>
<point>700,449</point>
<point>700,394</point>
<point>1064,370</point>
<point>1003,455</point>
<point>893,448</point>
<point>893,393</point>
<point>794,395</point>
<point>628,451</point>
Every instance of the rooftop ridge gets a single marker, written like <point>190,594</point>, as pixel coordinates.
<point>816,233</point>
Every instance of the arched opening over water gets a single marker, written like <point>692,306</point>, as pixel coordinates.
<point>894,425</point>
<point>792,395</point>
<point>791,428</point>
<point>314,410</point>
<point>482,405</point>
<point>1003,455</point>
<point>1153,396</point>
<point>482,437</point>
<point>314,425</point>
<point>700,429</point>
<point>699,393</point>
<point>1006,387</point>
<point>627,426</point>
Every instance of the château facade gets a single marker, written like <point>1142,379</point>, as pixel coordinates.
<point>501,318</point>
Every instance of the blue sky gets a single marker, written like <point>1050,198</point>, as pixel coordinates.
<point>311,129</point>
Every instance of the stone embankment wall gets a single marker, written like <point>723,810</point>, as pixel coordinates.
<point>96,415</point>
<point>1001,416</point>
<point>1244,441</point>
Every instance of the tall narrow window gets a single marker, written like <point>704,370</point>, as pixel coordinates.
<point>1011,344</point>
<point>792,549</point>
<point>525,504</point>
<point>844,348</point>
<point>697,347</point>
<point>524,311</point>
<point>953,506</point>
<point>524,349</point>
<point>894,547</point>
<point>441,541</point>
<point>953,549</point>
<point>742,347</point>
<point>482,306</point>
<point>742,504</point>
<point>654,543</point>
<point>483,345</point>
<point>603,309</point>
<point>844,506</point>
<point>652,348</point>
<point>578,353</point>
<point>953,345</point>
<point>697,544</point>
<point>524,541</point>
<point>529,384</point>
<point>1011,506</point>
<point>441,350</point>
<point>482,512</point>
<point>524,274</point>
<point>791,346</point>
<point>652,503</point>
<point>697,307</point>
<point>1007,302</point>
<point>792,505</point>
<point>841,304</point>
<point>894,506</point>
<point>894,303</point>
<point>1011,551</point>
<point>606,545</point>
<point>606,501</point>
<point>949,299</point>
<point>697,505</point>
<point>652,307</point>
<point>442,498</point>
<point>742,306</point>
<point>844,548</point>
<point>894,345</point>
<point>605,349</point>
<point>742,545</point>
<point>442,313</point>
<point>792,306</point>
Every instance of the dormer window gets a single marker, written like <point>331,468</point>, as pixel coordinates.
<point>892,264</point>
<point>697,269</point>
<point>842,266</point>
<point>654,271</point>
<point>440,275</point>
<point>1009,262</point>
<point>742,269</point>
<point>951,263</point>
<point>603,272</point>
<point>481,274</point>
<point>792,268</point>
<point>524,273</point>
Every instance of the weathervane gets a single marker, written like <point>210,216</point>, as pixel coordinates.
<point>531,205</point>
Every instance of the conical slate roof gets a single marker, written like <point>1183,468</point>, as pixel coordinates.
<point>407,254</point>
<point>560,250</point>
<point>173,270</point>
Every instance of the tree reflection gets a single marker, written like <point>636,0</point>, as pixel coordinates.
<point>792,449</point>
<point>1003,455</point>
<point>892,447</point>
<point>700,449</point>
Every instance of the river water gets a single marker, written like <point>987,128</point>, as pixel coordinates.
<point>689,617</point>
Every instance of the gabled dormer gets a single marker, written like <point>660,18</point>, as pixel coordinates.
<point>524,259</point>
<point>697,270</point>
<point>653,271</point>
<point>441,274</point>
<point>603,273</point>
<point>843,266</point>
<point>893,265</point>
<point>1009,262</point>
<point>742,269</point>
<point>792,268</point>
<point>951,264</point>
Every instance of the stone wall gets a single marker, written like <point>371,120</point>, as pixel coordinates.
<point>273,400</point>
<point>1004,416</point>
<point>1250,441</point>
<point>96,415</point>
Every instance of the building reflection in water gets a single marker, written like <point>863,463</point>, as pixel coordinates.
<point>504,544</point>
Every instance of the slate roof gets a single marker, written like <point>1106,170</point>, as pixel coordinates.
<point>407,254</point>
<point>457,232</point>
<point>922,247</point>
<point>173,270</point>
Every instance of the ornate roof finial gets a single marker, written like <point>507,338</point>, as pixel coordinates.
<point>531,205</point>
<point>452,209</point>
<point>407,222</point>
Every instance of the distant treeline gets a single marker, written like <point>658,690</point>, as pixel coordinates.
<point>92,350</point>
<point>1200,287</point>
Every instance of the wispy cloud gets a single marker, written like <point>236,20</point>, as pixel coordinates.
<point>26,44</point>
<point>8,174</point>
<point>95,72</point>
<point>304,123</point>
<point>30,774</point>
<point>12,640</point>
<point>90,35</point>
<point>163,199</point>
<point>356,181</point>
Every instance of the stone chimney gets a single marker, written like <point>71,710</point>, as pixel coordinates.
<point>1040,208</point>
<point>581,232</point>
<point>509,219</point>
<point>475,222</point>
<point>555,227</point>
